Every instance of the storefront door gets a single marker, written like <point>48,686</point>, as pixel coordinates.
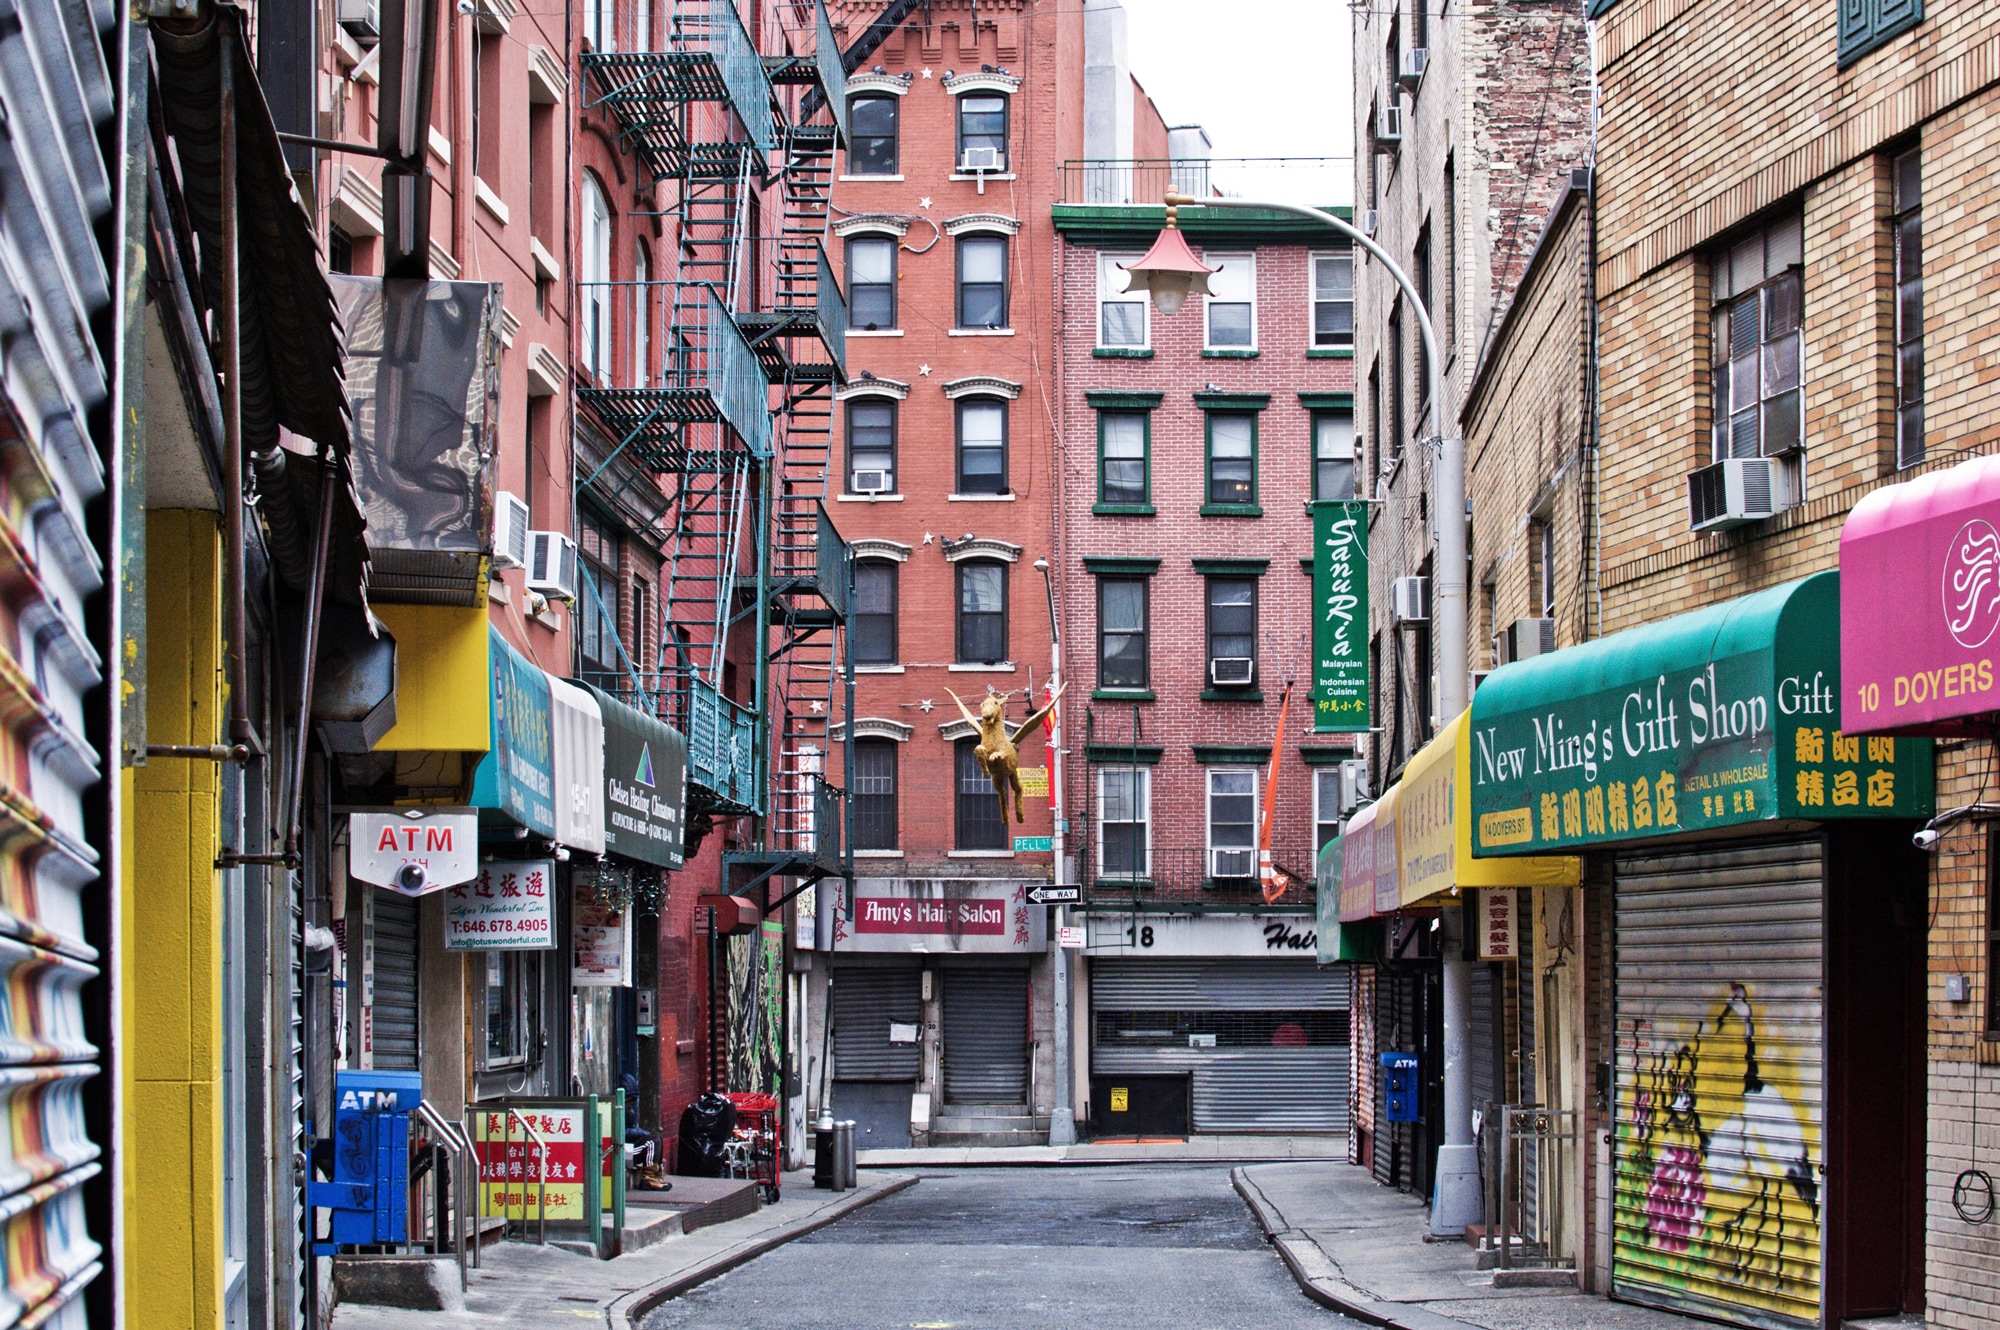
<point>986,1037</point>
<point>877,1049</point>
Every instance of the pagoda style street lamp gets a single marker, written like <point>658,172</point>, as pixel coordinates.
<point>1171,272</point>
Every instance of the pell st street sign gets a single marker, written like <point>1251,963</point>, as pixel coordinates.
<point>1340,618</point>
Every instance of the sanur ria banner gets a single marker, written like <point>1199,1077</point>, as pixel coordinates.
<point>1340,618</point>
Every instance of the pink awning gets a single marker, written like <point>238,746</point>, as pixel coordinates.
<point>1920,605</point>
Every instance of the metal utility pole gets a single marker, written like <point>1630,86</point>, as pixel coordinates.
<point>1455,1199</point>
<point>1062,1117</point>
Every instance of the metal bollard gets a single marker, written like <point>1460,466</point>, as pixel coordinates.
<point>825,1164</point>
<point>843,1154</point>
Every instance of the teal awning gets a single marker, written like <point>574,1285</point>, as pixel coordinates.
<point>1726,716</point>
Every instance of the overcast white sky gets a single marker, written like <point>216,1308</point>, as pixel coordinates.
<point>1270,79</point>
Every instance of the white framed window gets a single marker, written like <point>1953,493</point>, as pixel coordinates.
<point>1333,300</point>
<point>642,316</point>
<point>1232,822</point>
<point>1124,822</point>
<point>600,20</point>
<point>1757,286</point>
<point>1123,319</point>
<point>1326,806</point>
<point>595,286</point>
<point>1232,302</point>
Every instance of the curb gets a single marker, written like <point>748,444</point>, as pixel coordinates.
<point>625,1312</point>
<point>1330,1289</point>
<point>1234,1161</point>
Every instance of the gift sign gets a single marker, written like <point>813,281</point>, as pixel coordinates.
<point>508,907</point>
<point>1498,933</point>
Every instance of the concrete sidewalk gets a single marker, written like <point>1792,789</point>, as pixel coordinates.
<point>1359,1248</point>
<point>1193,1150</point>
<point>525,1284</point>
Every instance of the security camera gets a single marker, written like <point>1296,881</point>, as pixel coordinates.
<point>411,878</point>
<point>1926,839</point>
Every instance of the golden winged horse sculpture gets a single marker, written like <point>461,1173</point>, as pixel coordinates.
<point>995,751</point>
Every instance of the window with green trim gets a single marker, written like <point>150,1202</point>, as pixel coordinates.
<point>1123,654</point>
<point>1123,474</point>
<point>1232,457</point>
<point>1333,455</point>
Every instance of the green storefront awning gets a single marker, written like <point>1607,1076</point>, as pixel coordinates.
<point>1724,717</point>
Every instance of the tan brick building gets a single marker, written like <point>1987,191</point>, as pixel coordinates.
<point>1792,272</point>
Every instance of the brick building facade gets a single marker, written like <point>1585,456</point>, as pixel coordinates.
<point>1869,127</point>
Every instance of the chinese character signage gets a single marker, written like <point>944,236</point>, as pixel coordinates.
<point>508,907</point>
<point>1495,925</point>
<point>516,1173</point>
<point>1724,717</point>
<point>518,776</point>
<point>1340,618</point>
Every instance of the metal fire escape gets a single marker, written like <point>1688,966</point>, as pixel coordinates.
<point>725,396</point>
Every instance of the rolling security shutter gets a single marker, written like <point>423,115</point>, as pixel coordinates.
<point>986,1036</point>
<point>1720,1123</point>
<point>395,982</point>
<point>1526,928</point>
<point>1280,1056</point>
<point>1480,1037</point>
<point>865,1003</point>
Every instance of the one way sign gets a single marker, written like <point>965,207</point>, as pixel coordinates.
<point>1054,895</point>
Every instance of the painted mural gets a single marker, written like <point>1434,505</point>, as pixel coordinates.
<point>756,998</point>
<point>1719,1159</point>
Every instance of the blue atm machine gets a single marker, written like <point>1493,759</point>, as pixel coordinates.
<point>1399,1083</point>
<point>370,1192</point>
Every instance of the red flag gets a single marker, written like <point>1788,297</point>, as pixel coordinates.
<point>1275,882</point>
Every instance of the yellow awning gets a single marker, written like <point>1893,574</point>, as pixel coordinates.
<point>444,696</point>
<point>1435,831</point>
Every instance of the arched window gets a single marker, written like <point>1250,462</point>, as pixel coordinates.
<point>595,285</point>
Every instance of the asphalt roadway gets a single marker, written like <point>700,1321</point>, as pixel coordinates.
<point>1097,1248</point>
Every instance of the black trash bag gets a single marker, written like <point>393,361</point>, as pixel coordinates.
<point>706,1126</point>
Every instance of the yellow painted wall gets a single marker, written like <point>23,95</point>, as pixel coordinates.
<point>172,969</point>
<point>443,694</point>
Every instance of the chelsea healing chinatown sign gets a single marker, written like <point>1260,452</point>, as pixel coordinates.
<point>1340,618</point>
<point>1728,716</point>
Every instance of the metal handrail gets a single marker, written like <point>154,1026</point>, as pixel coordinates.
<point>1544,1124</point>
<point>511,1116</point>
<point>459,1146</point>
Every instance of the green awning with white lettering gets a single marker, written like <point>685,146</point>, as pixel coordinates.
<point>1723,717</point>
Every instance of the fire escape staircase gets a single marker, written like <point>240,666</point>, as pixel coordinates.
<point>801,340</point>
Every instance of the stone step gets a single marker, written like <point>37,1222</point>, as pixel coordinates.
<point>989,1139</point>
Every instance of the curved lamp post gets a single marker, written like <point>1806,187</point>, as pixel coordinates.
<point>1171,272</point>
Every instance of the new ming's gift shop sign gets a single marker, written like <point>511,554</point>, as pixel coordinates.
<point>1726,717</point>
<point>1920,604</point>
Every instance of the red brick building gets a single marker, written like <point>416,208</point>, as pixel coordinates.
<point>1193,448</point>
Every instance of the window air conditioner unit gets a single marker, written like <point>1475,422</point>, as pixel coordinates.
<point>1410,599</point>
<point>1353,784</point>
<point>1232,863</point>
<point>1226,670</point>
<point>510,531</point>
<point>1524,639</point>
<point>363,20</point>
<point>1740,490</point>
<point>552,564</point>
<point>1389,125</point>
<point>981,159</point>
<point>1369,216</point>
<point>870,482</point>
<point>1414,63</point>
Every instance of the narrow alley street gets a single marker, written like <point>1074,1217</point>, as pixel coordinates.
<point>1059,1247</point>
